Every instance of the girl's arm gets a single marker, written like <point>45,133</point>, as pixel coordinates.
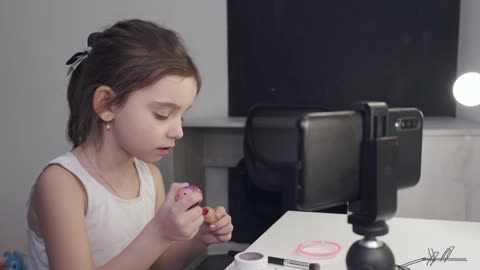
<point>180,254</point>
<point>60,201</point>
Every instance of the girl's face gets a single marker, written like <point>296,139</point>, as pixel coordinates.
<point>150,121</point>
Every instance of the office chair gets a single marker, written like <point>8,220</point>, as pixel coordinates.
<point>262,185</point>
<point>271,150</point>
<point>265,178</point>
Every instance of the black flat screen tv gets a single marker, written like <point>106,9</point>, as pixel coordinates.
<point>335,53</point>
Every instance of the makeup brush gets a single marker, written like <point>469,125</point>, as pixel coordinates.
<point>293,263</point>
<point>285,262</point>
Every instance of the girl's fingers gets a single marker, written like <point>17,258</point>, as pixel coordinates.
<point>192,215</point>
<point>198,222</point>
<point>220,212</point>
<point>186,202</point>
<point>222,222</point>
<point>195,225</point>
<point>174,188</point>
<point>227,229</point>
<point>224,238</point>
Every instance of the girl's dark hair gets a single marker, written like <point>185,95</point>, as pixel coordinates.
<point>125,57</point>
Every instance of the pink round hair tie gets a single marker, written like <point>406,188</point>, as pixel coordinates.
<point>333,246</point>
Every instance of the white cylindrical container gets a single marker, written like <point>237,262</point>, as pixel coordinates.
<point>251,261</point>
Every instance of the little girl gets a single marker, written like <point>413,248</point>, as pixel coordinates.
<point>103,204</point>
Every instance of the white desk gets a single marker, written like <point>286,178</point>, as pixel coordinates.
<point>408,239</point>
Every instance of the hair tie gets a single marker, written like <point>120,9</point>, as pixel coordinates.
<point>77,58</point>
<point>332,249</point>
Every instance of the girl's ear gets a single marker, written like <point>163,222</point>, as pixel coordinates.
<point>101,102</point>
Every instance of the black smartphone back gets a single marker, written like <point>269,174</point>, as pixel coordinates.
<point>407,125</point>
<point>329,155</point>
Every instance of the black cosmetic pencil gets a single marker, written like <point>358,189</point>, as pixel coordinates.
<point>285,262</point>
<point>293,263</point>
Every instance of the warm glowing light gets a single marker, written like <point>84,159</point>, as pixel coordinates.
<point>466,89</point>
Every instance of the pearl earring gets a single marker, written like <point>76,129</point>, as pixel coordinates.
<point>107,126</point>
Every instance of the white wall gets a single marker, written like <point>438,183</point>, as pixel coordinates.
<point>36,39</point>
<point>469,50</point>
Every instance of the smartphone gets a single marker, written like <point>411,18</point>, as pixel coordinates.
<point>328,169</point>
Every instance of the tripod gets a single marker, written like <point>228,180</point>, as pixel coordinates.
<point>378,193</point>
<point>370,253</point>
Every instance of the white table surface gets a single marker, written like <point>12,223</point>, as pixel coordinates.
<point>409,239</point>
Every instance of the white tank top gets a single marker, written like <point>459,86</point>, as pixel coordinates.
<point>112,222</point>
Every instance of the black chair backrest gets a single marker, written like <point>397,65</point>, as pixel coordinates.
<point>271,143</point>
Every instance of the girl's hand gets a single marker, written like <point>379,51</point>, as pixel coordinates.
<point>175,221</point>
<point>218,232</point>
